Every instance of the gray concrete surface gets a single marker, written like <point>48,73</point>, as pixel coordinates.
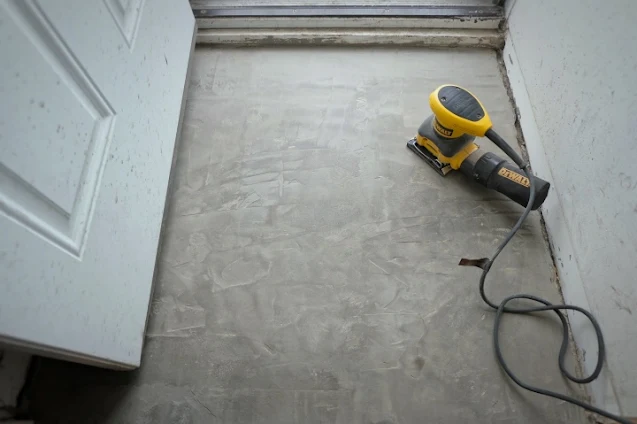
<point>309,264</point>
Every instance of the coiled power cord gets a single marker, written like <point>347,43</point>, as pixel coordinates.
<point>502,308</point>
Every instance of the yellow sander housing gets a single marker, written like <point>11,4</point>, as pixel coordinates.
<point>445,140</point>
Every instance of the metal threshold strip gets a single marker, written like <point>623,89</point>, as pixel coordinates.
<point>425,26</point>
<point>351,11</point>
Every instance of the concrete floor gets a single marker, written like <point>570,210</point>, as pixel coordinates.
<point>309,264</point>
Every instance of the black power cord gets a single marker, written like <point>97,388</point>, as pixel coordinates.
<point>502,308</point>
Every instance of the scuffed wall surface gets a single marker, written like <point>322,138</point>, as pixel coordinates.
<point>579,69</point>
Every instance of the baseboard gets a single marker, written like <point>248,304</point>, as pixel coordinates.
<point>601,390</point>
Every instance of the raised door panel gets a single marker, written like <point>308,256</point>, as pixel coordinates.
<point>56,132</point>
<point>126,14</point>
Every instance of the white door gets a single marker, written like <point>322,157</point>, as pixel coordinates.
<point>90,98</point>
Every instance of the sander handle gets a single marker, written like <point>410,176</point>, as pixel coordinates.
<point>495,173</point>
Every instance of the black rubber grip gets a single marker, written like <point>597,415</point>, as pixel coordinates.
<point>495,173</point>
<point>461,103</point>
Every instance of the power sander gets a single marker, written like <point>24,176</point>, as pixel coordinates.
<point>445,140</point>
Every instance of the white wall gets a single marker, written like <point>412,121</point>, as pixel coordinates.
<point>573,70</point>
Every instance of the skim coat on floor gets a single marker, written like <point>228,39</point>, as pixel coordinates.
<point>309,265</point>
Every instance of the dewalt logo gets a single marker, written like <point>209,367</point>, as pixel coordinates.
<point>514,176</point>
<point>443,131</point>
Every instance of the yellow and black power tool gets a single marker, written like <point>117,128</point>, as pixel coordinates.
<point>446,142</point>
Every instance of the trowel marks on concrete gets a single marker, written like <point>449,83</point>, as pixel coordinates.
<point>309,266</point>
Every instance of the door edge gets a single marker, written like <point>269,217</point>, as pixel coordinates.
<point>171,180</point>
